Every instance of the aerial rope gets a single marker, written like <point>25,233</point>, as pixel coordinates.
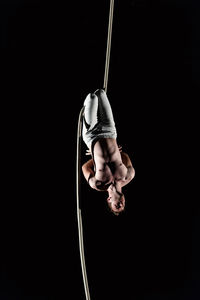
<point>107,64</point>
<point>78,156</point>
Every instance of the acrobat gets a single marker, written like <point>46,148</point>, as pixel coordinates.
<point>110,168</point>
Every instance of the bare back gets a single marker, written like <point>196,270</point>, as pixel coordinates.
<point>108,162</point>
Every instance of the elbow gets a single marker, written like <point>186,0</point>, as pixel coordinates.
<point>83,166</point>
<point>133,172</point>
<point>132,175</point>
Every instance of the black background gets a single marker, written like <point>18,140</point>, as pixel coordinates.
<point>52,56</point>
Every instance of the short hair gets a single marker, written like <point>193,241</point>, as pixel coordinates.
<point>114,212</point>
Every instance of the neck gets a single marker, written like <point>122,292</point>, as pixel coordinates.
<point>115,187</point>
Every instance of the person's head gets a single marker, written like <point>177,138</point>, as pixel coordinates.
<point>116,200</point>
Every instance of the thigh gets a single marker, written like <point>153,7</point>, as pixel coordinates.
<point>104,110</point>
<point>91,108</point>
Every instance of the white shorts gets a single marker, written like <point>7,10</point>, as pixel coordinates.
<point>98,121</point>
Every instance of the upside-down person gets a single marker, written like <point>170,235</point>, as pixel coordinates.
<point>109,169</point>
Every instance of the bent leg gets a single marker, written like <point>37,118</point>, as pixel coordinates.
<point>90,112</point>
<point>90,117</point>
<point>105,114</point>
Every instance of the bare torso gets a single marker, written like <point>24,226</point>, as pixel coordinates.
<point>108,162</point>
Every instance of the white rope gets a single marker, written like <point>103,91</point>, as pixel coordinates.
<point>79,218</point>
<point>105,85</point>
<point>78,157</point>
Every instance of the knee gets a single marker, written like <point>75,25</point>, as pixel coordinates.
<point>90,97</point>
<point>99,92</point>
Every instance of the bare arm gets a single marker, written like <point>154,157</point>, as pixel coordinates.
<point>130,170</point>
<point>88,169</point>
<point>88,172</point>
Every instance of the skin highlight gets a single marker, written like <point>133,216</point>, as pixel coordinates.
<point>108,171</point>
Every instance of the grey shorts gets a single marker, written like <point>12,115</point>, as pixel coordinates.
<point>98,121</point>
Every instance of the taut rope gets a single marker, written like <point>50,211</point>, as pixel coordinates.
<point>107,64</point>
<point>78,157</point>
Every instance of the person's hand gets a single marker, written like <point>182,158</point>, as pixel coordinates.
<point>92,182</point>
<point>120,148</point>
<point>97,185</point>
<point>88,152</point>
